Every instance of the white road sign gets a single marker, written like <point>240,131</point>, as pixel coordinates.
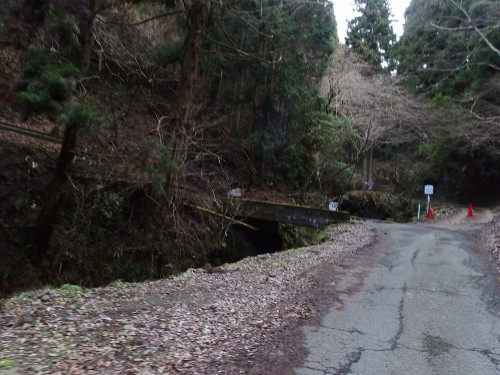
<point>428,189</point>
<point>333,206</point>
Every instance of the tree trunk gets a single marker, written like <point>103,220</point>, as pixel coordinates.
<point>184,96</point>
<point>49,214</point>
<point>365,170</point>
<point>86,35</point>
<point>370,165</point>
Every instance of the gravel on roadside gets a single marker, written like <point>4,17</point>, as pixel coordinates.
<point>489,235</point>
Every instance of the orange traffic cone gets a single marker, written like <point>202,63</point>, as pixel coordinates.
<point>430,215</point>
<point>469,211</point>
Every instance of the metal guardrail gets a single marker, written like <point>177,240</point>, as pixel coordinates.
<point>29,133</point>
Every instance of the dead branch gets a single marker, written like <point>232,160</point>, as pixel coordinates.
<point>166,14</point>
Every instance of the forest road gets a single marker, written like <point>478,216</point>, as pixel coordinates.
<point>424,303</point>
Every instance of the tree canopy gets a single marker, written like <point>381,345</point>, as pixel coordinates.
<point>450,49</point>
<point>371,34</point>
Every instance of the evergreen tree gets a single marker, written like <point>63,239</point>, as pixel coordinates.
<point>444,52</point>
<point>282,51</point>
<point>449,52</point>
<point>371,34</point>
<point>428,53</point>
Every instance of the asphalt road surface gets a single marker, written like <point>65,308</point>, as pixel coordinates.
<point>425,303</point>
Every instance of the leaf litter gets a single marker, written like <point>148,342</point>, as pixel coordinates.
<point>201,322</point>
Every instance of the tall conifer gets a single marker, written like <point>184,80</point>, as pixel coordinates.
<point>371,34</point>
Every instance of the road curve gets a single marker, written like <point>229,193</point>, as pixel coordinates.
<point>424,303</point>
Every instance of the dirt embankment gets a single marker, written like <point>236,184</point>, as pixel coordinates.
<point>489,237</point>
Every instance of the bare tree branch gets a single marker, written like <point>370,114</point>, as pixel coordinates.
<point>477,29</point>
<point>167,14</point>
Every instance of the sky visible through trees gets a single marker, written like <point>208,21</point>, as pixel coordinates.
<point>344,12</point>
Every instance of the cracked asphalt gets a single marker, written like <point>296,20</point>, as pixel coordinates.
<point>424,303</point>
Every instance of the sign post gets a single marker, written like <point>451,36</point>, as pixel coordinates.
<point>428,190</point>
<point>333,206</point>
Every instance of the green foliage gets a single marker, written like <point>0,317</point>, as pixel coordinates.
<point>463,170</point>
<point>166,160</point>
<point>168,54</point>
<point>19,203</point>
<point>384,152</point>
<point>371,34</point>
<point>54,81</point>
<point>158,160</point>
<point>36,59</point>
<point>445,156</point>
<point>66,32</point>
<point>5,363</point>
<point>296,238</point>
<point>71,289</point>
<point>441,52</point>
<point>288,50</point>
<point>118,282</point>
<point>158,177</point>
<point>80,114</point>
<point>144,9</point>
<point>36,100</point>
<point>274,264</point>
<point>441,99</point>
<point>377,205</point>
<point>101,209</point>
<point>337,152</point>
<point>294,165</point>
<point>49,83</point>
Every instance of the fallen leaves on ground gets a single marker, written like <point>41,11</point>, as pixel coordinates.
<point>197,323</point>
